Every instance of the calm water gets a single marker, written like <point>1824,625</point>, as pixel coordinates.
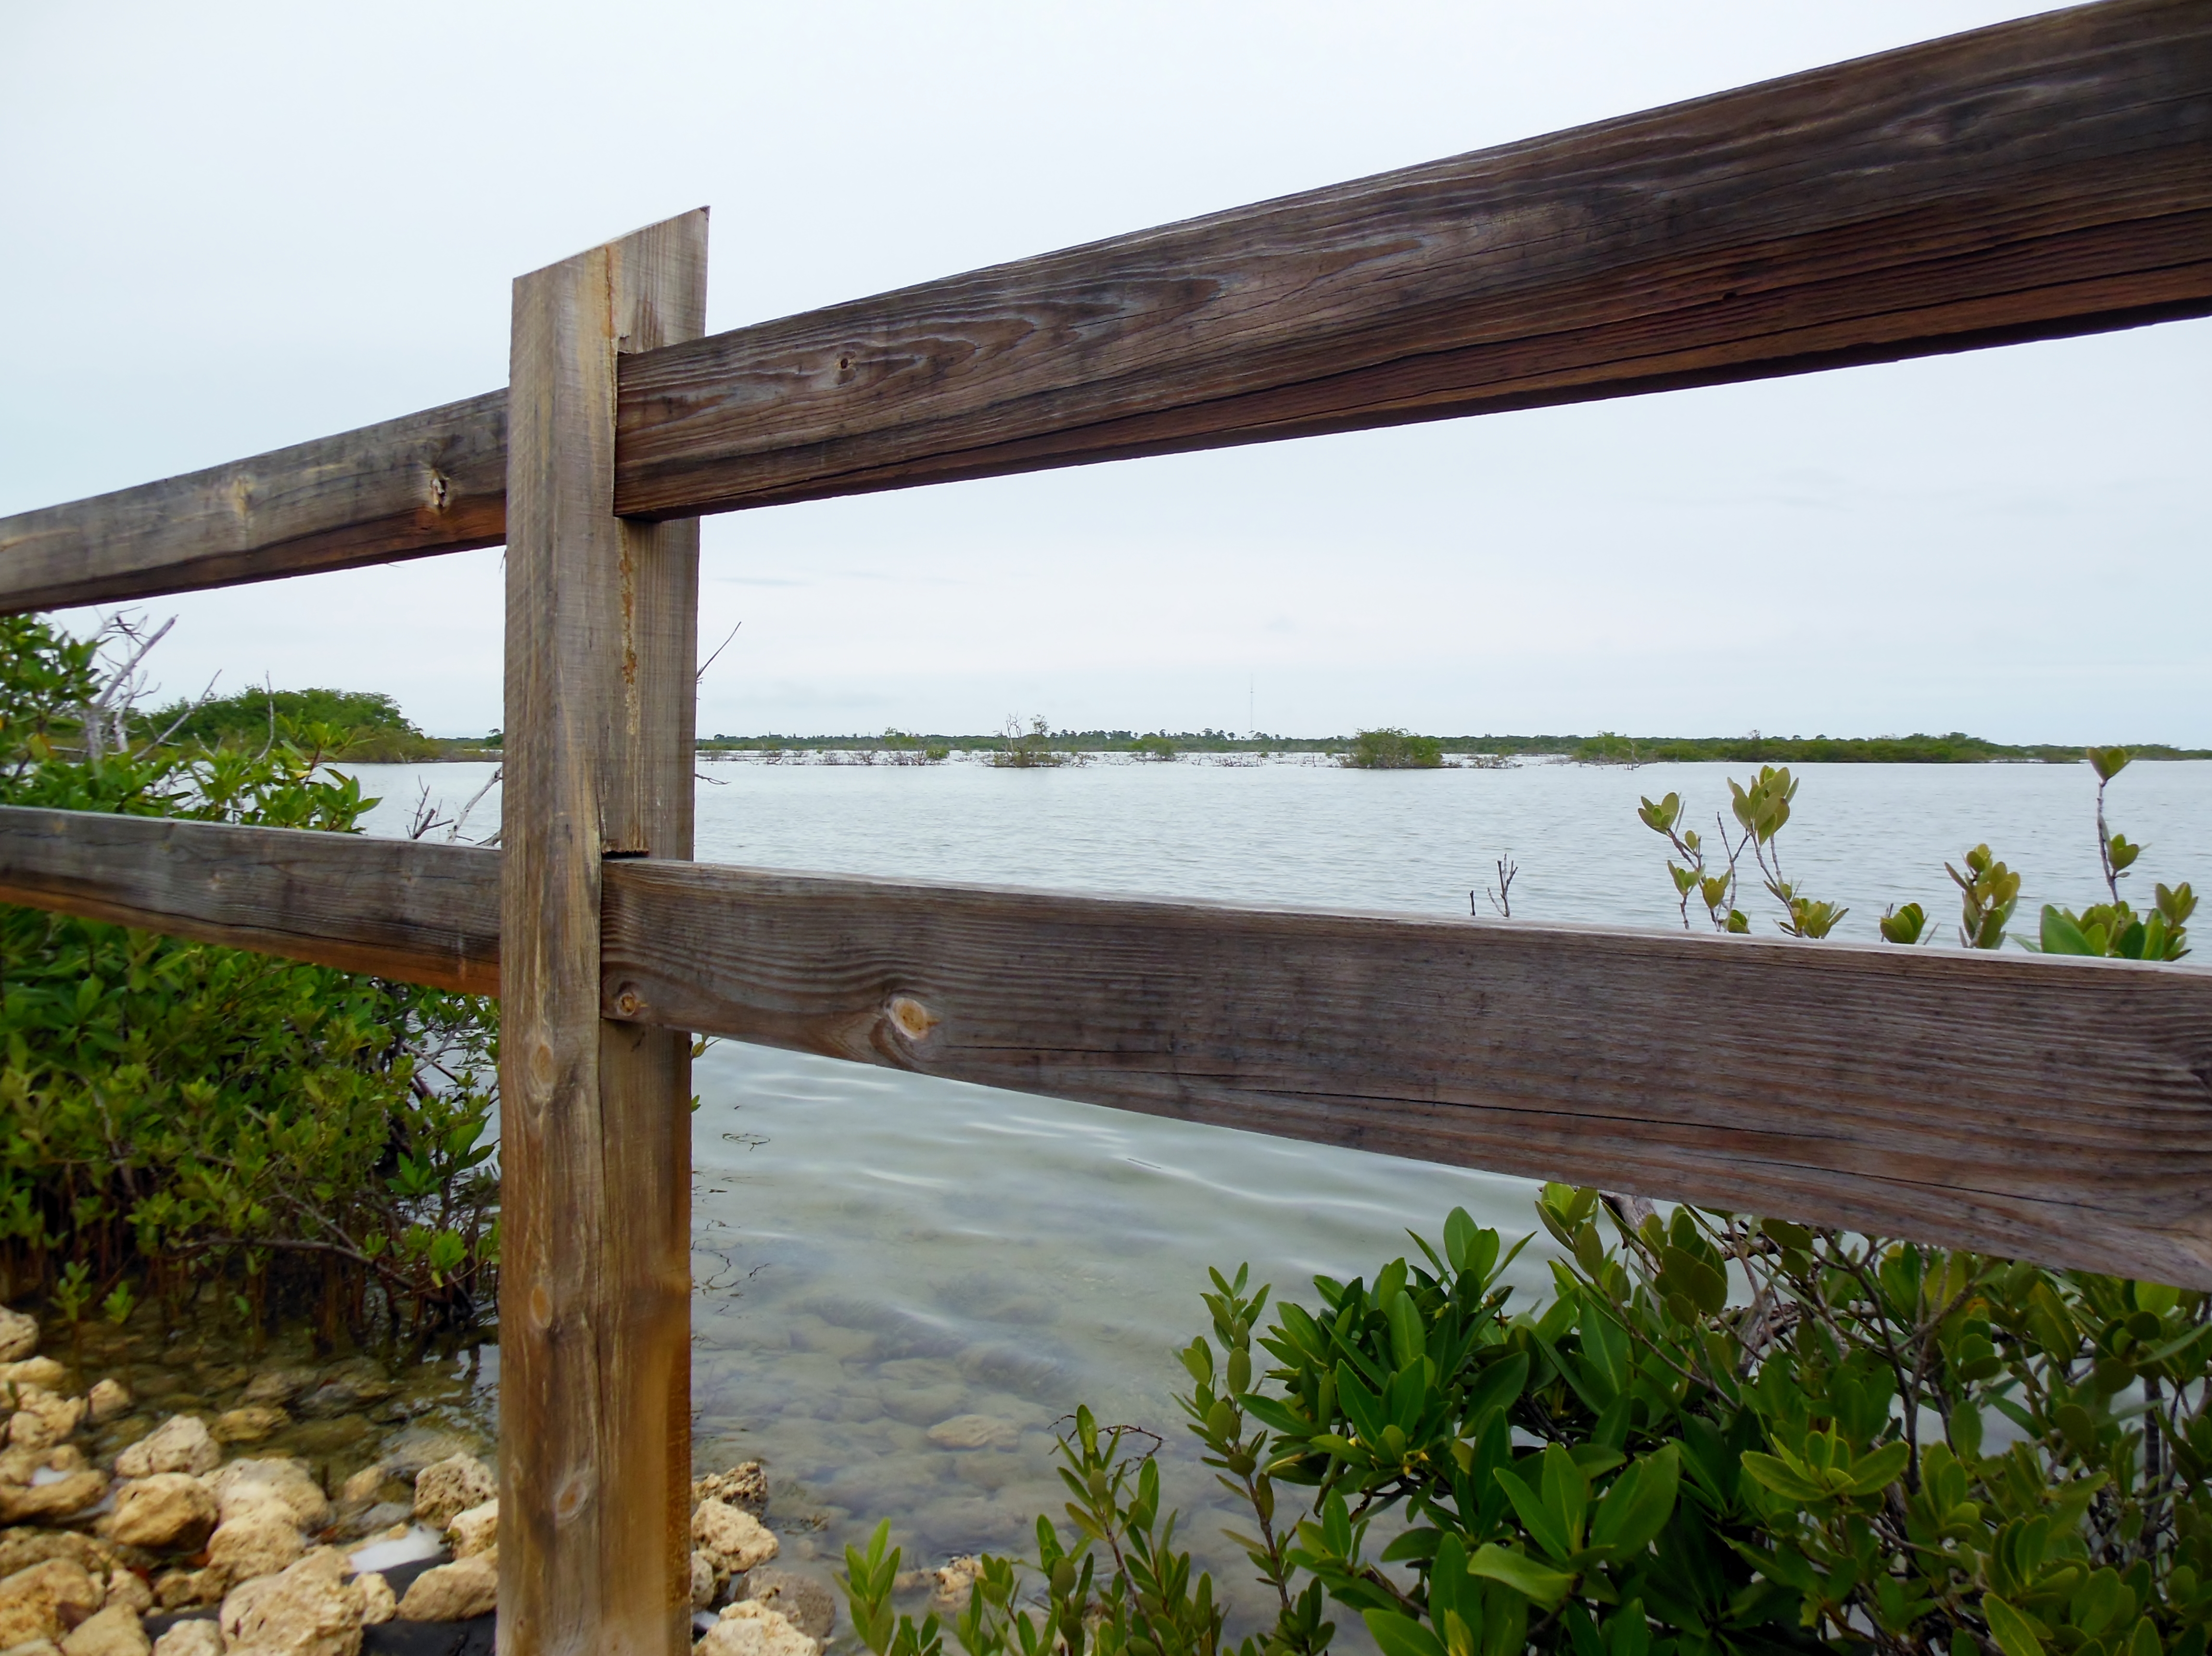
<point>877,1252</point>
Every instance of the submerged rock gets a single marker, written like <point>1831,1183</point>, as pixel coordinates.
<point>808,1604</point>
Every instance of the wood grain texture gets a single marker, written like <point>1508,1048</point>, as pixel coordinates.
<point>423,914</point>
<point>433,482</point>
<point>595,1458</point>
<point>2044,177</point>
<point>2061,1110</point>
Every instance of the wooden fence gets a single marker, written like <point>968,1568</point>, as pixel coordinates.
<point>2039,179</point>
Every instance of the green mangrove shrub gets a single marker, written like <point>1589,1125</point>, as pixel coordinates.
<point>1393,749</point>
<point>177,1118</point>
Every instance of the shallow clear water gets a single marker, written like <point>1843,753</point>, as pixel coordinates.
<point>878,1252</point>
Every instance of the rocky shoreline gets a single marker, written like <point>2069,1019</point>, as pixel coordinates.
<point>125,1540</point>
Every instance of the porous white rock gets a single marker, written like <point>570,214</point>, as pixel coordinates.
<point>197,1637</point>
<point>168,1511</point>
<point>107,1399</point>
<point>178,1443</point>
<point>19,1335</point>
<point>732,1536</point>
<point>455,1592</point>
<point>260,1541</point>
<point>749,1627</point>
<point>309,1610</point>
<point>446,1487</point>
<point>476,1530</point>
<point>377,1603</point>
<point>244,1485</point>
<point>38,1601</point>
<point>113,1631</point>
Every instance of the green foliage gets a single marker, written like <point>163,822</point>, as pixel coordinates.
<point>363,726</point>
<point>2113,929</point>
<point>1394,749</point>
<point>1154,746</point>
<point>1867,1444</point>
<point>200,1118</point>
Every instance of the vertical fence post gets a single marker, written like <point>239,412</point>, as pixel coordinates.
<point>595,1298</point>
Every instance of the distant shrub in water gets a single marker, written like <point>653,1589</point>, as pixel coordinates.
<point>1027,750</point>
<point>1154,746</point>
<point>1391,749</point>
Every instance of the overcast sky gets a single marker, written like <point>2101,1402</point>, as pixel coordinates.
<point>230,227</point>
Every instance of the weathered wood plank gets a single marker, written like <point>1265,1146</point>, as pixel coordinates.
<point>595,1460</point>
<point>424,914</point>
<point>2044,177</point>
<point>2057,1110</point>
<point>432,482</point>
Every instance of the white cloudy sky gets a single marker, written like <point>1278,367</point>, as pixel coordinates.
<point>230,226</point>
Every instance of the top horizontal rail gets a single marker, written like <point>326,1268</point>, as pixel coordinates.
<point>2042,177</point>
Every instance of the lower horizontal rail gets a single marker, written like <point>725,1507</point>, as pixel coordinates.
<point>2057,1110</point>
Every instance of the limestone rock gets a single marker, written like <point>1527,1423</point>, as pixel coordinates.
<point>744,1486</point>
<point>260,1541</point>
<point>733,1539</point>
<point>19,1335</point>
<point>975,1432</point>
<point>362,1488</point>
<point>20,1549</point>
<point>115,1631</point>
<point>197,1637</point>
<point>455,1592</point>
<point>71,1493</point>
<point>310,1610</point>
<point>346,1387</point>
<point>703,1581</point>
<point>191,1589</point>
<point>476,1530</point>
<point>107,1399</point>
<point>168,1511</point>
<point>33,1371</point>
<point>34,1647</point>
<point>40,1602</point>
<point>62,1415</point>
<point>377,1603</point>
<point>448,1488</point>
<point>180,1444</point>
<point>807,1603</point>
<point>244,1485</point>
<point>27,1429</point>
<point>749,1627</point>
<point>126,1587</point>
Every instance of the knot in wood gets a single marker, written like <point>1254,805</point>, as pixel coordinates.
<point>629,1000</point>
<point>913,1020</point>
